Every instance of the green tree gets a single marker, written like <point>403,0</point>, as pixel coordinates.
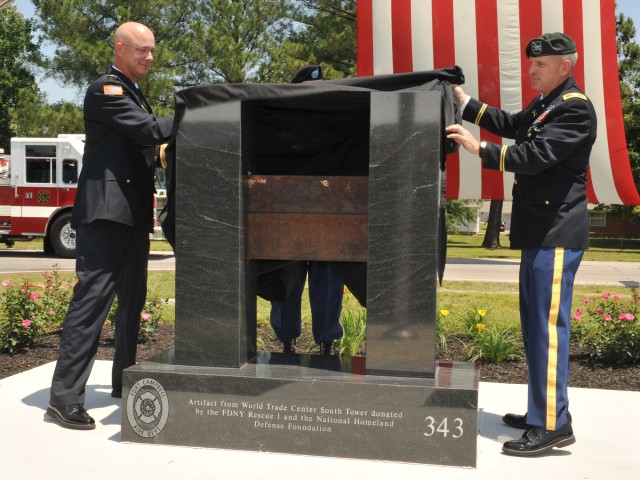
<point>459,213</point>
<point>197,41</point>
<point>323,33</point>
<point>331,34</point>
<point>82,32</point>
<point>18,53</point>
<point>234,41</point>
<point>34,117</point>
<point>492,233</point>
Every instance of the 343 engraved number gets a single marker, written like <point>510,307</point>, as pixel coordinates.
<point>442,427</point>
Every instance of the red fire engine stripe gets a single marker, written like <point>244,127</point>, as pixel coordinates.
<point>444,55</point>
<point>401,36</point>
<point>364,29</point>
<point>620,166</point>
<point>489,84</point>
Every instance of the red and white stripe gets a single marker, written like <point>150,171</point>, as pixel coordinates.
<point>487,39</point>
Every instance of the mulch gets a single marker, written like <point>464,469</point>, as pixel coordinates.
<point>584,373</point>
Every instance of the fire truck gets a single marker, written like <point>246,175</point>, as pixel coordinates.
<point>38,184</point>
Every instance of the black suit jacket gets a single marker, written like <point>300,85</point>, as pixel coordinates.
<point>554,136</point>
<point>116,181</point>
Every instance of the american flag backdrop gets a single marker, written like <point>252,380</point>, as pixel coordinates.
<point>487,39</point>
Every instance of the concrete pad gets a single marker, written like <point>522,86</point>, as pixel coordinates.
<point>605,424</point>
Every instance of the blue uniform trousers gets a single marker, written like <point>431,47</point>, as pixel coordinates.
<point>546,290</point>
<point>325,296</point>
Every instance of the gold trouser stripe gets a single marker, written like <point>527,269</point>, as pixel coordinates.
<point>554,312</point>
<point>480,113</point>
<point>503,156</point>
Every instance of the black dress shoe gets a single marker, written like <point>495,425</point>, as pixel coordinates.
<point>536,440</point>
<point>116,393</point>
<point>71,416</point>
<point>288,347</point>
<point>516,421</point>
<point>520,421</point>
<point>326,348</point>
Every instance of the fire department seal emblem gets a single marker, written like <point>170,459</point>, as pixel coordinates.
<point>147,407</point>
<point>44,196</point>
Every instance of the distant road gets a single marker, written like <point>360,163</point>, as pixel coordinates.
<point>624,274</point>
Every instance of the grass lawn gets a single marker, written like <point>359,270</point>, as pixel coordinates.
<point>158,245</point>
<point>600,249</point>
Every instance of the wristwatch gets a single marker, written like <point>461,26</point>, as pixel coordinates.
<point>483,145</point>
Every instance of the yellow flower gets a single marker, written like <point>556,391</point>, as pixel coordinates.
<point>480,326</point>
<point>444,313</point>
<point>482,313</point>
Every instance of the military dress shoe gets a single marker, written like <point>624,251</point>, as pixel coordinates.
<point>536,440</point>
<point>520,421</point>
<point>71,416</point>
<point>326,348</point>
<point>116,393</point>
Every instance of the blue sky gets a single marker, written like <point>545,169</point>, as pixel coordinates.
<point>56,91</point>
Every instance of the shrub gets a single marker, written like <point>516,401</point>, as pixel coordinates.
<point>56,296</point>
<point>442,330</point>
<point>481,339</point>
<point>495,345</point>
<point>150,317</point>
<point>354,324</point>
<point>608,329</point>
<point>19,321</point>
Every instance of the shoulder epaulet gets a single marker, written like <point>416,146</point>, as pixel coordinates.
<point>571,95</point>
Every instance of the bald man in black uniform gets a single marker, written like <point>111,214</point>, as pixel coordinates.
<point>113,216</point>
<point>550,224</point>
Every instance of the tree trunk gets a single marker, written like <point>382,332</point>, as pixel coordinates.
<point>492,235</point>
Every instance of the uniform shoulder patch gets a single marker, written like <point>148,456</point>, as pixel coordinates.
<point>569,96</point>
<point>112,89</point>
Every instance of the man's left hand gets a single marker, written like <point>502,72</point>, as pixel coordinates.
<point>461,135</point>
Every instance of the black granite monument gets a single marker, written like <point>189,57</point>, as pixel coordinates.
<point>214,390</point>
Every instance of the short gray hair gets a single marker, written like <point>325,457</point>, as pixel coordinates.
<point>572,57</point>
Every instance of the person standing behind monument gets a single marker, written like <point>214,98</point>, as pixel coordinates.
<point>550,224</point>
<point>325,288</point>
<point>113,216</point>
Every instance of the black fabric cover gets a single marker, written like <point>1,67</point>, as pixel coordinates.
<point>312,128</point>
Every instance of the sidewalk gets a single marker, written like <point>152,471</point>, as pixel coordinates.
<point>606,423</point>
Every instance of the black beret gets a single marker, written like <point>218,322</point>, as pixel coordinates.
<point>550,44</point>
<point>308,73</point>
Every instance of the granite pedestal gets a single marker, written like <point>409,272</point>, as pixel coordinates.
<point>215,390</point>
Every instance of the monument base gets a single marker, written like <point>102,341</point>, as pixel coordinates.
<point>305,404</point>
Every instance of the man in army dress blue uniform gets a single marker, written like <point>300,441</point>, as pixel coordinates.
<point>113,216</point>
<point>550,224</point>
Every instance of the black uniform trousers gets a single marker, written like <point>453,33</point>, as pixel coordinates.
<point>111,260</point>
